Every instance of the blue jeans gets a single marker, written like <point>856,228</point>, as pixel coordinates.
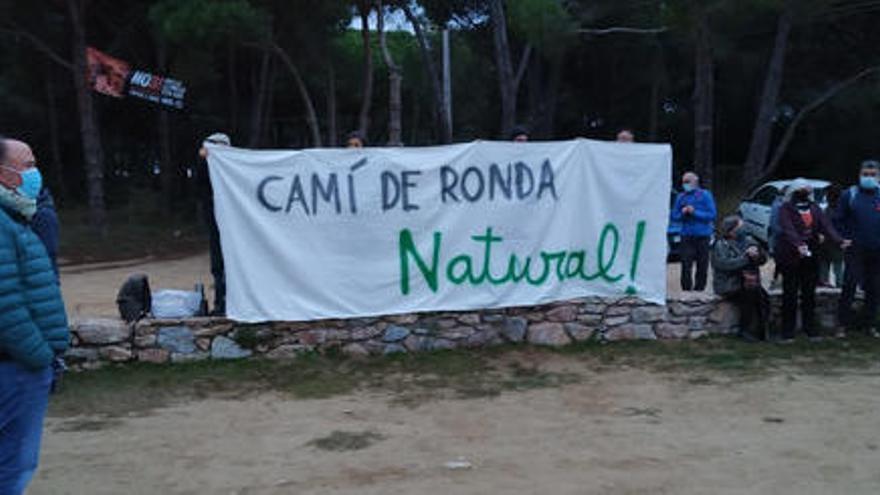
<point>24,397</point>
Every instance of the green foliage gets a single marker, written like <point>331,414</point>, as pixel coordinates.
<point>544,23</point>
<point>208,21</point>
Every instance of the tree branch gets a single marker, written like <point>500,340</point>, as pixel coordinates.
<point>779,154</point>
<point>523,64</point>
<point>38,44</point>
<point>626,30</point>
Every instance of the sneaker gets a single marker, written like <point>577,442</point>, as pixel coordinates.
<point>840,334</point>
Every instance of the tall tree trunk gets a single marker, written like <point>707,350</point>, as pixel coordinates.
<point>441,120</point>
<point>166,160</point>
<point>311,115</point>
<point>657,80</point>
<point>762,135</point>
<point>232,80</point>
<point>59,187</point>
<point>504,67</point>
<point>704,100</point>
<point>367,84</point>
<point>93,151</point>
<point>260,91</point>
<point>508,80</point>
<point>332,129</point>
<point>395,80</point>
<point>268,112</point>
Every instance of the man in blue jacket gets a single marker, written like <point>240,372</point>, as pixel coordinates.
<point>694,209</point>
<point>33,324</point>
<point>858,217</point>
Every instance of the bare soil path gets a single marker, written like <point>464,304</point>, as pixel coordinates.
<point>619,428</point>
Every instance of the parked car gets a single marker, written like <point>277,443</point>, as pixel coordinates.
<point>755,209</point>
<point>673,233</point>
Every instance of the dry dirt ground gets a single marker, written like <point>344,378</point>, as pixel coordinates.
<point>550,423</point>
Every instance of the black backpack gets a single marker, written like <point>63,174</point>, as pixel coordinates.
<point>134,299</point>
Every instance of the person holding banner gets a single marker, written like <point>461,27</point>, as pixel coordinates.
<point>207,198</point>
<point>695,210</point>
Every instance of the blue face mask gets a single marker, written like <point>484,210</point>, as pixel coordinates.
<point>31,183</point>
<point>868,182</point>
<point>688,187</point>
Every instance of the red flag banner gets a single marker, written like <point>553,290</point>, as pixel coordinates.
<point>107,75</point>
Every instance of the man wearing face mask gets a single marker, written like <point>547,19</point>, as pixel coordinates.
<point>858,215</point>
<point>33,324</point>
<point>802,228</point>
<point>736,261</point>
<point>694,209</point>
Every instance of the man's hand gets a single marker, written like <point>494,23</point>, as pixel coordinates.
<point>687,210</point>
<point>846,244</point>
<point>804,251</point>
<point>753,252</point>
<point>821,238</point>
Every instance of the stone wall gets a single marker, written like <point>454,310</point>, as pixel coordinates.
<point>97,341</point>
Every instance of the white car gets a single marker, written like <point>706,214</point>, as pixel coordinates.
<point>755,209</point>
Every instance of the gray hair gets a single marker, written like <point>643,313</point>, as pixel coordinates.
<point>691,174</point>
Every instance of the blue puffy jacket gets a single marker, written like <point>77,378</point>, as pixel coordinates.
<point>701,223</point>
<point>33,323</point>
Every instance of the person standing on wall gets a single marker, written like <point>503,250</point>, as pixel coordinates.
<point>803,228</point>
<point>33,323</point>
<point>206,194</point>
<point>695,210</point>
<point>625,135</point>
<point>858,215</point>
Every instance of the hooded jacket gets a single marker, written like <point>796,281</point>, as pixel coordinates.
<point>33,322</point>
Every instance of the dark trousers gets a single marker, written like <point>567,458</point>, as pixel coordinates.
<point>862,268</point>
<point>754,312</point>
<point>799,279</point>
<point>217,269</point>
<point>694,250</point>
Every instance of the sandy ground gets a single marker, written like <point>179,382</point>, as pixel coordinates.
<point>90,290</point>
<point>627,431</point>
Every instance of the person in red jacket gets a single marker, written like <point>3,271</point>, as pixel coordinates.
<point>803,227</point>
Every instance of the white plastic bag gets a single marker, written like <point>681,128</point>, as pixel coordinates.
<point>169,303</point>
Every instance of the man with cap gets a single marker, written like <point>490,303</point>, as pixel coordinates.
<point>207,199</point>
<point>802,228</point>
<point>858,216</point>
<point>33,324</point>
<point>694,210</point>
<point>736,261</point>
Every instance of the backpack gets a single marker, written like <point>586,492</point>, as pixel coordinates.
<point>134,299</point>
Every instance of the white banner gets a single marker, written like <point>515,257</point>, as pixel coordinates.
<point>335,233</point>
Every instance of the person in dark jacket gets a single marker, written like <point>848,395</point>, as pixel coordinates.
<point>858,217</point>
<point>206,193</point>
<point>803,227</point>
<point>33,324</point>
<point>45,225</point>
<point>694,210</point>
<point>736,261</point>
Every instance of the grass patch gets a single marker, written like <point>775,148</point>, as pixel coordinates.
<point>413,380</point>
